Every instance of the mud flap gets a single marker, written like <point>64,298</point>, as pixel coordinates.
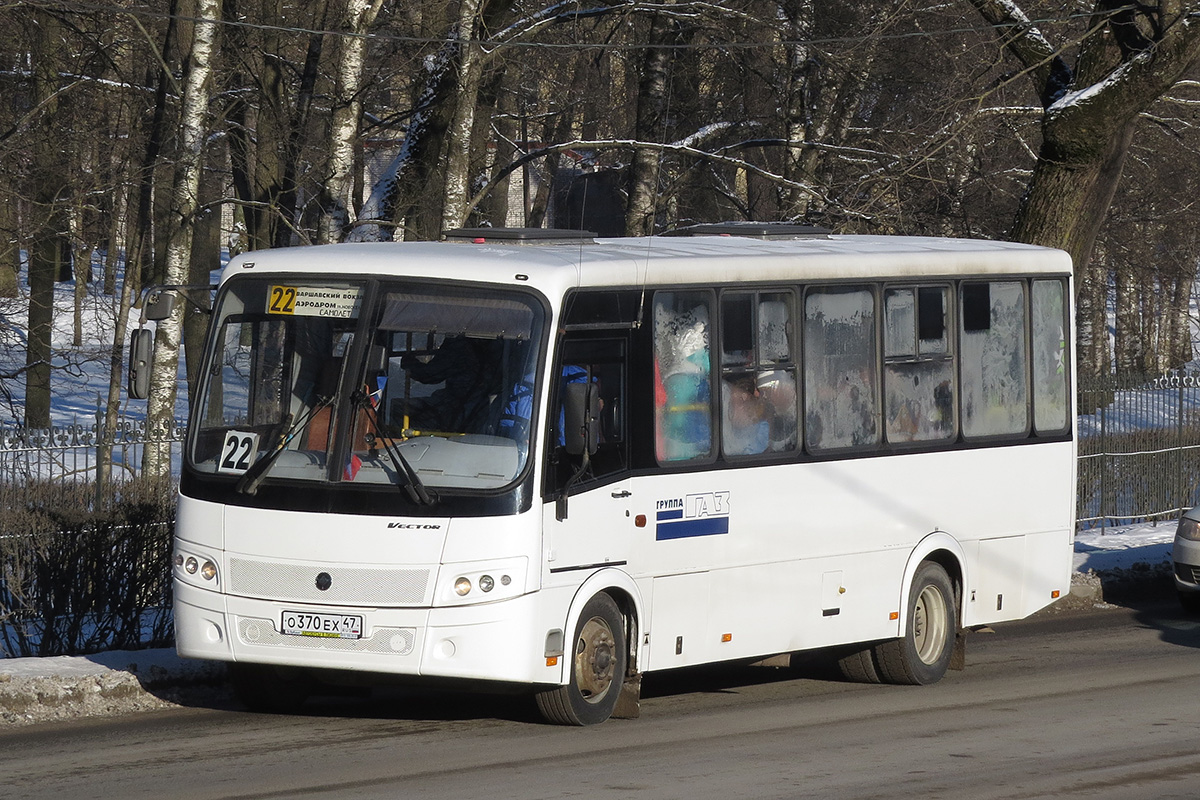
<point>629,702</point>
<point>958,658</point>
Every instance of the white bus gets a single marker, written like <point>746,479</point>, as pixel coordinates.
<point>537,459</point>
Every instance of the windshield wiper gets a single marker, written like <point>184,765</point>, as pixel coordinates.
<point>253,477</point>
<point>412,483</point>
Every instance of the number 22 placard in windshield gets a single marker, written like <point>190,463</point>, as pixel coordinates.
<point>315,301</point>
<point>237,452</point>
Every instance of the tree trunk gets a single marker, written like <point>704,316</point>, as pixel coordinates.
<point>1130,356</point>
<point>457,159</point>
<point>116,368</point>
<point>1091,314</point>
<point>1069,195</point>
<point>49,222</point>
<point>289,222</point>
<point>496,206</point>
<point>10,249</point>
<point>651,105</point>
<point>1180,328</point>
<point>799,103</point>
<point>139,252</point>
<point>156,461</point>
<point>338,199</point>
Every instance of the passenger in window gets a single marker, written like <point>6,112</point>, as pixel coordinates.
<point>571,373</point>
<point>777,388</point>
<point>518,410</point>
<point>746,429</point>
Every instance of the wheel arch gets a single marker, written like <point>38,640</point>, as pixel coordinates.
<point>943,549</point>
<point>624,592</point>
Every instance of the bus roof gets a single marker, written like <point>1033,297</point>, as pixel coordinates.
<point>555,267</point>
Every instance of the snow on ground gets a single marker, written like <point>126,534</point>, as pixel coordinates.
<point>1121,548</point>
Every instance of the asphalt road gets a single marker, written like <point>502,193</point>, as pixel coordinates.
<point>1097,705</point>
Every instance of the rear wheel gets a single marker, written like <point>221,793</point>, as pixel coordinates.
<point>276,690</point>
<point>922,654</point>
<point>598,660</point>
<point>858,665</point>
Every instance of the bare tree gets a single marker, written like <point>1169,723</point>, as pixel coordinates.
<point>50,191</point>
<point>338,190</point>
<point>192,127</point>
<point>1129,57</point>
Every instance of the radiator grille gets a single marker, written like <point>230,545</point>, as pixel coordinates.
<point>359,586</point>
<point>386,641</point>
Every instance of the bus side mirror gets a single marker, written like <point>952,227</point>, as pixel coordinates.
<point>141,354</point>
<point>581,418</point>
<point>377,360</point>
<point>158,305</point>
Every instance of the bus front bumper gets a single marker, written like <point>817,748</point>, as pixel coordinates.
<point>501,641</point>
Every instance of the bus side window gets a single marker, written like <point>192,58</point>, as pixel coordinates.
<point>1050,399</point>
<point>758,374</point>
<point>602,362</point>
<point>993,359</point>
<point>682,376</point>
<point>841,393</point>
<point>918,375</point>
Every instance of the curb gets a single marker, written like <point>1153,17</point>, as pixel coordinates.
<point>34,690</point>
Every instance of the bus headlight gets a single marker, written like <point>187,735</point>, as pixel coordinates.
<point>481,582</point>
<point>195,569</point>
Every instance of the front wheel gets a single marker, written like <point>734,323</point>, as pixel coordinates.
<point>598,661</point>
<point>922,655</point>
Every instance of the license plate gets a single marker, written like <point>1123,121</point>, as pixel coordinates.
<point>326,626</point>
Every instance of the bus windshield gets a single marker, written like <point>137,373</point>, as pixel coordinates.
<point>367,383</point>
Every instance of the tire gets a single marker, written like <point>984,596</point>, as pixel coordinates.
<point>268,689</point>
<point>922,655</point>
<point>1190,603</point>
<point>858,665</point>
<point>598,661</point>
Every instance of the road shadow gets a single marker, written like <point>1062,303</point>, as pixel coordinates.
<point>419,703</point>
<point>379,701</point>
<point>730,677</point>
<point>1164,614</point>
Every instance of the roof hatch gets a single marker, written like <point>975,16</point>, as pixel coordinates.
<point>517,235</point>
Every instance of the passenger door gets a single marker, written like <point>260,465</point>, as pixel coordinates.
<point>588,521</point>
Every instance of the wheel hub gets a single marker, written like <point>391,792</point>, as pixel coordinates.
<point>595,658</point>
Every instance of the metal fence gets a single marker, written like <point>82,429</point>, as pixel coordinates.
<point>84,538</point>
<point>83,451</point>
<point>1139,448</point>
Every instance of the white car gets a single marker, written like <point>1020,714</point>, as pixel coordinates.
<point>1186,557</point>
